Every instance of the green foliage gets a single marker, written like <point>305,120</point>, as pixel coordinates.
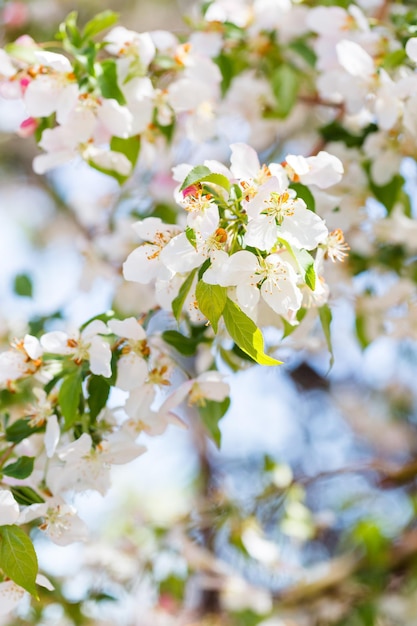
<point>106,73</point>
<point>285,84</point>
<point>211,301</point>
<point>18,557</point>
<point>186,346</point>
<point>305,194</point>
<point>26,496</point>
<point>335,131</point>
<point>211,413</point>
<point>69,397</point>
<point>326,320</point>
<point>202,174</point>
<point>305,263</point>
<point>21,429</point>
<point>178,302</point>
<point>22,468</point>
<point>98,392</point>
<point>246,334</point>
<point>390,193</point>
<point>23,285</point>
<point>98,23</point>
<point>130,147</point>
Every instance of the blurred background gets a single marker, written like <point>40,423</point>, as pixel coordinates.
<point>305,513</point>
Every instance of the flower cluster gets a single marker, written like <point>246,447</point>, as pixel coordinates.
<point>247,237</point>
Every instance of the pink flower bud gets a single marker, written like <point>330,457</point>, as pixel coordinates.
<point>15,14</point>
<point>27,127</point>
<point>190,191</point>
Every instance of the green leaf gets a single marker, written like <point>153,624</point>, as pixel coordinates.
<point>246,334</point>
<point>119,177</point>
<point>226,68</point>
<point>335,131</point>
<point>18,557</point>
<point>98,391</point>
<point>390,193</point>
<point>130,147</point>
<point>23,285</point>
<point>211,414</point>
<point>166,212</point>
<point>68,31</point>
<point>178,302</point>
<point>69,397</point>
<point>99,23</point>
<point>305,262</point>
<point>394,59</point>
<point>304,51</point>
<point>202,174</point>
<point>191,236</point>
<point>21,429</point>
<point>211,301</point>
<point>26,496</point>
<point>26,54</point>
<point>326,319</point>
<point>22,468</point>
<point>183,344</point>
<point>106,72</point>
<point>305,194</point>
<point>104,317</point>
<point>285,85</point>
<point>360,326</point>
<point>290,328</point>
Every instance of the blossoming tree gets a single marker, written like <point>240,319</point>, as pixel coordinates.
<point>245,152</point>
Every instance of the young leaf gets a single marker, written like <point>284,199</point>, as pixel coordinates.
<point>326,319</point>
<point>69,397</point>
<point>18,557</point>
<point>185,345</point>
<point>178,302</point>
<point>191,236</point>
<point>211,301</point>
<point>23,285</point>
<point>21,429</point>
<point>202,174</point>
<point>285,85</point>
<point>130,147</point>
<point>99,23</point>
<point>119,177</point>
<point>98,392</point>
<point>305,194</point>
<point>305,262</point>
<point>26,496</point>
<point>211,414</point>
<point>246,334</point>
<point>22,468</point>
<point>107,80</point>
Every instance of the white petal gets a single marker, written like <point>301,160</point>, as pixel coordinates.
<point>354,59</point>
<point>10,596</point>
<point>261,233</point>
<point>116,118</point>
<point>52,434</point>
<point>132,372</point>
<point>100,357</point>
<point>129,328</point>
<point>303,229</point>
<point>411,49</point>
<point>143,264</point>
<point>56,61</point>
<point>244,162</point>
<point>9,509</point>
<point>56,342</point>
<point>180,256</point>
<point>32,346</point>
